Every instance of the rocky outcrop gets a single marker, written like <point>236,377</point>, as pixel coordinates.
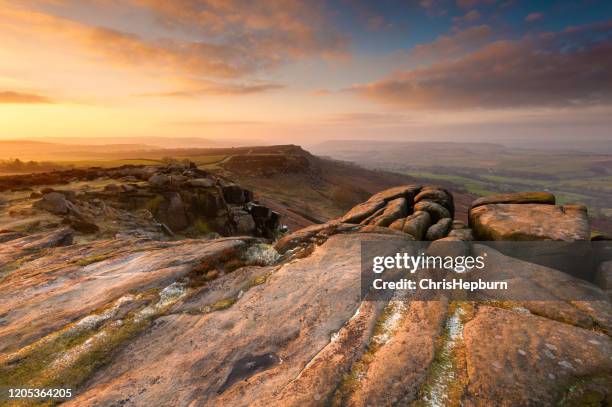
<point>542,198</point>
<point>234,321</point>
<point>530,222</point>
<point>408,208</point>
<point>178,198</point>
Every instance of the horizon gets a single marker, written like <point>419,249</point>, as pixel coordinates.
<point>465,70</point>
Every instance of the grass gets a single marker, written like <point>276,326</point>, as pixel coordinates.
<point>68,357</point>
<point>94,259</point>
<point>447,377</point>
<point>109,163</point>
<point>472,185</point>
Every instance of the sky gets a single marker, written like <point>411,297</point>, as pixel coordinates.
<point>307,71</point>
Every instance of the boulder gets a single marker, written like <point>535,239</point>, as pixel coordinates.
<point>175,214</point>
<point>417,224</point>
<point>82,225</point>
<point>436,210</point>
<point>260,211</point>
<point>603,277</point>
<point>158,180</point>
<point>545,198</point>
<point>462,234</point>
<point>395,209</point>
<point>53,202</point>
<point>439,230</point>
<point>397,224</point>
<point>530,222</point>
<point>233,194</point>
<point>403,191</point>
<point>201,183</point>
<point>245,224</point>
<point>438,196</point>
<point>362,211</point>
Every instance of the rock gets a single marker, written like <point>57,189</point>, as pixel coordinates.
<point>529,222</point>
<point>16,248</point>
<point>201,183</point>
<point>532,360</point>
<point>260,211</point>
<point>362,211</point>
<point>8,235</point>
<point>404,191</point>
<point>417,224</point>
<point>82,225</point>
<point>438,196</point>
<point>603,277</point>
<point>462,234</point>
<point>434,209</point>
<point>53,202</point>
<point>458,224</point>
<point>158,180</point>
<point>395,209</point>
<point>599,237</point>
<point>398,224</point>
<point>35,195</point>
<point>439,230</point>
<point>113,188</point>
<point>245,224</point>
<point>233,194</point>
<point>545,198</point>
<point>175,214</point>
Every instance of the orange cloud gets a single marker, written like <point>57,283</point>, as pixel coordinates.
<point>448,46</point>
<point>22,98</point>
<point>507,74</point>
<point>226,38</point>
<point>215,88</point>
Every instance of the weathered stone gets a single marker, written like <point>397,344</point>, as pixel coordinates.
<point>159,180</point>
<point>517,198</point>
<point>462,234</point>
<point>458,224</point>
<point>362,211</point>
<point>260,211</point>
<point>395,209</point>
<point>603,277</point>
<point>404,191</point>
<point>397,224</point>
<point>439,196</point>
<point>439,230</point>
<point>175,214</point>
<point>436,210</point>
<point>201,182</point>
<point>245,224</point>
<point>530,360</point>
<point>53,202</point>
<point>530,222</point>
<point>417,224</point>
<point>8,235</point>
<point>82,225</point>
<point>233,194</point>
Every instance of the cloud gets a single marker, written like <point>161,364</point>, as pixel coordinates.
<point>10,97</point>
<point>469,17</point>
<point>450,46</point>
<point>567,69</point>
<point>211,38</point>
<point>531,17</point>
<point>202,88</point>
<point>467,4</point>
<point>434,7</point>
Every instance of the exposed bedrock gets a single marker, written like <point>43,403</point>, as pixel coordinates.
<point>237,322</point>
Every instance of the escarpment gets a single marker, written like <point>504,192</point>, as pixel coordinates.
<point>136,319</point>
